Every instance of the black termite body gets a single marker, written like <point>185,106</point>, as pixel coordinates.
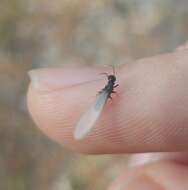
<point>109,88</point>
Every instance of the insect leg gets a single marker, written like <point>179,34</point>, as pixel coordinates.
<point>100,91</point>
<point>110,97</point>
<point>106,74</point>
<point>116,85</point>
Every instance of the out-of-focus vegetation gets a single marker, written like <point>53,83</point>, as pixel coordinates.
<point>40,33</point>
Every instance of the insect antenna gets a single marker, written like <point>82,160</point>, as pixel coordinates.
<point>106,74</point>
<point>113,68</point>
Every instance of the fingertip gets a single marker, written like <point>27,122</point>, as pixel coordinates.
<point>57,111</point>
<point>148,112</point>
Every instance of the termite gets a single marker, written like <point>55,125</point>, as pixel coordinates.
<point>88,119</point>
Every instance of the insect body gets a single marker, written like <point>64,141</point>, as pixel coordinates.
<point>109,88</point>
<point>88,120</point>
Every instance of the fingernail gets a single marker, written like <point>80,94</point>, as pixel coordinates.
<point>50,79</point>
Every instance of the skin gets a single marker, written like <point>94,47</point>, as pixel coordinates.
<point>149,113</point>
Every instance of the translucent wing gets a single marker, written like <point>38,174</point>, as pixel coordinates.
<point>88,120</point>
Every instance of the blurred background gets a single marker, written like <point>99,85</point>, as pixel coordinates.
<point>45,33</point>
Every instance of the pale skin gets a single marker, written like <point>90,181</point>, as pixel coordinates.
<point>149,113</point>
